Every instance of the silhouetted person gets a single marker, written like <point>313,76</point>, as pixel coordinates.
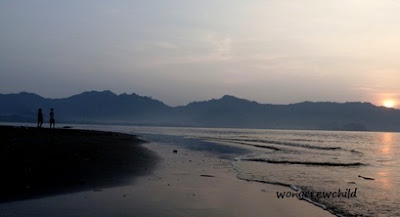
<point>52,119</point>
<point>39,118</point>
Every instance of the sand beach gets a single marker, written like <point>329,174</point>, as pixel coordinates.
<point>93,173</point>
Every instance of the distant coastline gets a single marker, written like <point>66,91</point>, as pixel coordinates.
<point>105,107</point>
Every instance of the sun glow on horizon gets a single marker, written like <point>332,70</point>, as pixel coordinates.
<point>389,103</point>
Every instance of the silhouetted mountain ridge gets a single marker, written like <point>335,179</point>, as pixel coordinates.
<point>227,111</point>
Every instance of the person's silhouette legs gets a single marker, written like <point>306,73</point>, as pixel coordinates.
<point>40,118</point>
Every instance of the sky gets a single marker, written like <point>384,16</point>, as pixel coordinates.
<point>179,51</point>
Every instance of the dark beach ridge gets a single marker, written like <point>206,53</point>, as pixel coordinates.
<point>37,162</point>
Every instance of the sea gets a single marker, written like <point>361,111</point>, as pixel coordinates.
<point>363,166</point>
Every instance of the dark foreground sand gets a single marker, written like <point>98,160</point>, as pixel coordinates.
<point>42,162</point>
<point>89,174</point>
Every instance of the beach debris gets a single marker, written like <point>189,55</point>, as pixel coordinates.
<point>366,178</point>
<point>175,151</point>
<point>351,182</point>
<point>205,175</point>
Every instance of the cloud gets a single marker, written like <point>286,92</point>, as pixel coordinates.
<point>167,45</point>
<point>113,11</point>
<point>207,49</point>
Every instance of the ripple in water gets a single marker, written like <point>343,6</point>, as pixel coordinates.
<point>317,161</point>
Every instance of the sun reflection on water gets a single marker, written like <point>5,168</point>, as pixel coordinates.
<point>387,141</point>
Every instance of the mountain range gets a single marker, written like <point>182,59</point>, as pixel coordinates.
<point>105,107</point>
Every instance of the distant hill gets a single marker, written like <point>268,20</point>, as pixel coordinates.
<point>228,111</point>
<point>87,107</point>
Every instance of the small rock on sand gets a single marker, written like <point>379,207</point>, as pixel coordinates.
<point>207,175</point>
<point>366,178</point>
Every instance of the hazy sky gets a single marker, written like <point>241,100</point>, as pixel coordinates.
<point>277,51</point>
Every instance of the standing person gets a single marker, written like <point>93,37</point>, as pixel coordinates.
<point>52,120</point>
<point>39,118</point>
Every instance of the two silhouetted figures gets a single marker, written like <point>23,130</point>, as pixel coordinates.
<point>40,118</point>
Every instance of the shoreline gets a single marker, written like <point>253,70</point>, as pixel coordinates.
<point>183,183</point>
<point>39,162</point>
<point>209,177</point>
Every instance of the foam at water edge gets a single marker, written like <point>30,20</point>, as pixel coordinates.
<point>241,176</point>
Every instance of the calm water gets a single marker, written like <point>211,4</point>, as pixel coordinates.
<point>317,161</point>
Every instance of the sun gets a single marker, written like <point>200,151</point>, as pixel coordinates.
<point>389,103</point>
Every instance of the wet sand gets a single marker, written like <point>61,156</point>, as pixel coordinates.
<point>41,162</point>
<point>200,183</point>
<point>129,180</point>
<point>183,183</point>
